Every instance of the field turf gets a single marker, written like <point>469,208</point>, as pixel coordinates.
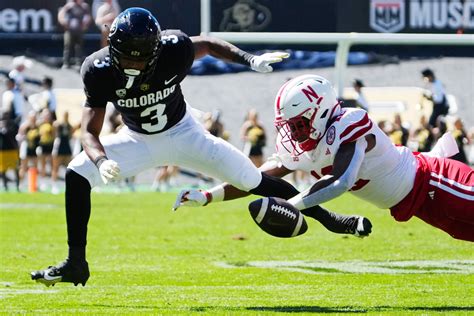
<point>145,259</point>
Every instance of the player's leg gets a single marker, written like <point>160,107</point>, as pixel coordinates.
<point>132,156</point>
<point>449,205</point>
<point>215,157</point>
<point>197,149</point>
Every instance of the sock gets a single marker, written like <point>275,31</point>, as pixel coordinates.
<point>276,187</point>
<point>78,211</point>
<point>77,253</point>
<point>336,223</point>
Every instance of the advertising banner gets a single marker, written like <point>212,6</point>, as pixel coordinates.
<point>406,16</point>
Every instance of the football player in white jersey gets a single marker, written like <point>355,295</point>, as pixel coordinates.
<point>346,151</point>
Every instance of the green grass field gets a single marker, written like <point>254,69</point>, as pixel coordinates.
<point>145,259</point>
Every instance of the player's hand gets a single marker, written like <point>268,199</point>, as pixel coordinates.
<point>192,198</point>
<point>262,63</point>
<point>109,171</point>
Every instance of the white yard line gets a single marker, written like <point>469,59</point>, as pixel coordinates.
<point>375,267</point>
<point>7,206</point>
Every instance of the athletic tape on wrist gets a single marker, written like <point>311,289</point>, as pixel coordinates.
<point>217,193</point>
<point>99,160</point>
<point>208,198</point>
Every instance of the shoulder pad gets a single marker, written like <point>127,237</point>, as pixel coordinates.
<point>352,124</point>
<point>173,36</point>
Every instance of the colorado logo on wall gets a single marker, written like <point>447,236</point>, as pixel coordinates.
<point>387,16</point>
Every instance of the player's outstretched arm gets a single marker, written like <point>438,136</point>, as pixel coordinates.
<point>205,45</point>
<point>346,166</point>
<point>227,192</point>
<point>334,222</point>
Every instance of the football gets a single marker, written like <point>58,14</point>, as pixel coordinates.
<point>277,217</point>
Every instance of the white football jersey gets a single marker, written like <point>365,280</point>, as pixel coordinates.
<point>387,172</point>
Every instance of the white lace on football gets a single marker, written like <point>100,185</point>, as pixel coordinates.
<point>284,211</point>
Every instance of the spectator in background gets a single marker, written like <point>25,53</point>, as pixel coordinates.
<point>75,18</point>
<point>28,136</point>
<point>20,64</point>
<point>440,128</point>
<point>213,124</point>
<point>47,135</point>
<point>164,178</point>
<point>423,136</point>
<point>254,137</point>
<point>9,152</point>
<point>437,95</point>
<point>360,99</point>
<point>62,151</point>
<point>45,99</point>
<point>105,15</point>
<point>398,133</point>
<point>12,103</point>
<point>462,139</point>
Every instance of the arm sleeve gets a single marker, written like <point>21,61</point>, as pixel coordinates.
<point>336,188</point>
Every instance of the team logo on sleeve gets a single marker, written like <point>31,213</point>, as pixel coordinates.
<point>330,135</point>
<point>121,92</point>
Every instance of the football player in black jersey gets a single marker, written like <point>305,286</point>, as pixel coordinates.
<point>140,73</point>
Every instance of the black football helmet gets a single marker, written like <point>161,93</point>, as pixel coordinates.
<point>134,45</point>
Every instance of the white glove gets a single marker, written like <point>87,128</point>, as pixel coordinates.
<point>446,146</point>
<point>109,171</point>
<point>262,63</point>
<point>192,198</point>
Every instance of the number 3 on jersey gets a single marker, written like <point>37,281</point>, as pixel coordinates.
<point>157,119</point>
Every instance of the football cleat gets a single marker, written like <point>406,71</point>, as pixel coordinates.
<point>68,271</point>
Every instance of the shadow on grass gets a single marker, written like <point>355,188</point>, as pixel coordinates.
<point>300,309</point>
<point>309,309</point>
<point>357,309</point>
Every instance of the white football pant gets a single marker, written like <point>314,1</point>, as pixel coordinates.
<point>187,144</point>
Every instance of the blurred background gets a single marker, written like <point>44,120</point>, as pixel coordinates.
<point>43,45</point>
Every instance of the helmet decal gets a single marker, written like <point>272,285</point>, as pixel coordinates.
<point>311,93</point>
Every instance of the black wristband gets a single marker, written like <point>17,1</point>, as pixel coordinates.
<point>99,160</point>
<point>245,57</point>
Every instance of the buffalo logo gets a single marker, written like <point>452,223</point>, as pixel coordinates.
<point>245,16</point>
<point>387,16</point>
<point>144,86</point>
<point>113,27</point>
<point>330,135</point>
<point>121,92</point>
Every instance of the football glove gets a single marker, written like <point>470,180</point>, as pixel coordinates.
<point>262,63</point>
<point>193,198</point>
<point>109,171</point>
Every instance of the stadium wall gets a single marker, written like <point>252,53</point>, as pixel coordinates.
<point>31,26</point>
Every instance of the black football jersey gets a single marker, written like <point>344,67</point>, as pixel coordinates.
<point>152,106</point>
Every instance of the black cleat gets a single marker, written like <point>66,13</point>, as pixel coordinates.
<point>358,226</point>
<point>68,271</point>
